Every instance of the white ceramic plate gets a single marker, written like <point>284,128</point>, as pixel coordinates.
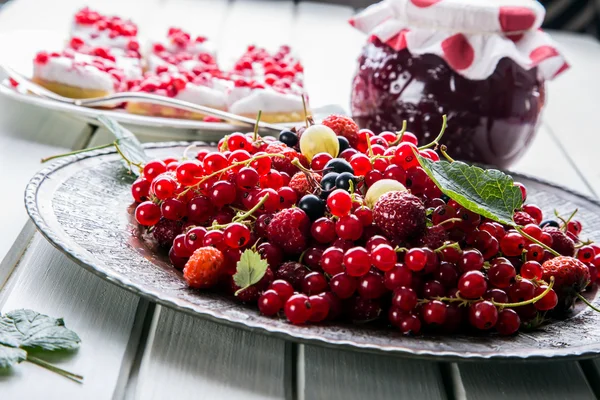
<point>18,49</point>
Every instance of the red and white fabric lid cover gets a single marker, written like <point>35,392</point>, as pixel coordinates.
<point>470,35</point>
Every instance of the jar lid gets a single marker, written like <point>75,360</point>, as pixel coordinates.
<point>470,35</point>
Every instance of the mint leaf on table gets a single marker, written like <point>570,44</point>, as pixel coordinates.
<point>489,193</point>
<point>250,269</point>
<point>11,355</point>
<point>129,146</point>
<point>26,329</point>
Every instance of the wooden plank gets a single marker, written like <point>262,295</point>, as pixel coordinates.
<point>102,314</point>
<point>188,357</point>
<point>531,380</point>
<point>572,107</point>
<point>344,375</point>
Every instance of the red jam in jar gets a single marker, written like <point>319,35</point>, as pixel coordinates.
<point>490,121</point>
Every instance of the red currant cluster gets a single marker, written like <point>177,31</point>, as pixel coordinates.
<point>360,235</point>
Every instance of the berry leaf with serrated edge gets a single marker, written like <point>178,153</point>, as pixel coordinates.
<point>250,269</point>
<point>30,329</point>
<point>11,355</point>
<point>129,145</point>
<point>489,193</point>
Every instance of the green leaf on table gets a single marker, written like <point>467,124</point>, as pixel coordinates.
<point>27,328</point>
<point>129,145</point>
<point>487,192</point>
<point>250,269</point>
<point>10,356</point>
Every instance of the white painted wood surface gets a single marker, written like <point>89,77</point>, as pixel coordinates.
<point>182,356</point>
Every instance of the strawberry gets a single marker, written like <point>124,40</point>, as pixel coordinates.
<point>204,268</point>
<point>522,218</point>
<point>301,185</point>
<point>343,126</point>
<point>571,276</point>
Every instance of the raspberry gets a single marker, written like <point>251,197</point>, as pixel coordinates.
<point>301,185</point>
<point>285,164</point>
<point>522,218</point>
<point>343,126</point>
<point>289,230</point>
<point>560,241</point>
<point>400,215</point>
<point>433,238</point>
<point>204,268</point>
<point>165,231</point>
<point>571,276</point>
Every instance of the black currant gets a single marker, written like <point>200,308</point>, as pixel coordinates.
<point>312,206</point>
<point>343,181</point>
<point>344,143</point>
<point>338,165</point>
<point>288,138</point>
<point>328,181</point>
<point>549,222</point>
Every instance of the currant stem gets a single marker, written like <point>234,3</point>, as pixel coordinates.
<point>443,150</point>
<point>124,157</point>
<point>450,221</point>
<point>531,238</point>
<point>526,302</point>
<point>305,111</point>
<point>251,211</point>
<point>400,134</point>
<point>590,305</point>
<point>55,369</point>
<point>453,245</point>
<point>72,153</point>
<point>255,135</point>
<point>400,249</point>
<point>191,146</point>
<point>370,148</point>
<point>436,141</point>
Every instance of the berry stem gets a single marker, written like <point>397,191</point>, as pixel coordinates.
<point>401,249</point>
<point>565,222</point>
<point>443,150</point>
<point>453,245</point>
<point>400,134</point>
<point>450,221</point>
<point>531,238</point>
<point>251,211</point>
<point>55,369</point>
<point>436,141</point>
<point>255,135</point>
<point>590,305</point>
<point>305,110</point>
<point>72,153</point>
<point>127,160</point>
<point>191,146</point>
<point>526,302</point>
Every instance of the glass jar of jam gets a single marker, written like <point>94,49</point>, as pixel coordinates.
<point>492,105</point>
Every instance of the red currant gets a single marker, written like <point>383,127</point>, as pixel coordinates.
<point>297,309</point>
<point>323,230</point>
<point>331,261</point>
<point>512,244</point>
<point>173,209</point>
<point>339,203</point>
<point>343,285</point>
<point>319,308</point>
<point>404,298</point>
<point>415,259</point>
<point>434,313</point>
<point>383,257</point>
<point>532,270</point>
<point>236,235</point>
<point>370,286</point>
<point>140,190</point>
<point>283,289</point>
<point>472,284</point>
<point>269,303</point>
<point>154,168</point>
<point>349,227</point>
<point>483,315</point>
<point>508,322</point>
<point>314,283</point>
<point>548,302</point>
<point>357,261</point>
<point>147,213</point>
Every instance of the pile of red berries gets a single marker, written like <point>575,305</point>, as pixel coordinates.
<point>361,235</point>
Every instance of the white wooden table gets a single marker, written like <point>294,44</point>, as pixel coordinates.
<point>133,349</point>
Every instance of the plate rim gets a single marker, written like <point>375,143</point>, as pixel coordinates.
<point>30,197</point>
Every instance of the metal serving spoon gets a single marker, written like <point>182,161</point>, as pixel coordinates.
<point>117,98</point>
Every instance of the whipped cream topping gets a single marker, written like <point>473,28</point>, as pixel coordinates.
<point>94,37</point>
<point>75,72</point>
<point>215,97</point>
<point>248,101</point>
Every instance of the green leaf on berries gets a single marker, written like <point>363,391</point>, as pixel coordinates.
<point>10,356</point>
<point>489,193</point>
<point>30,329</point>
<point>250,269</point>
<point>129,145</point>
